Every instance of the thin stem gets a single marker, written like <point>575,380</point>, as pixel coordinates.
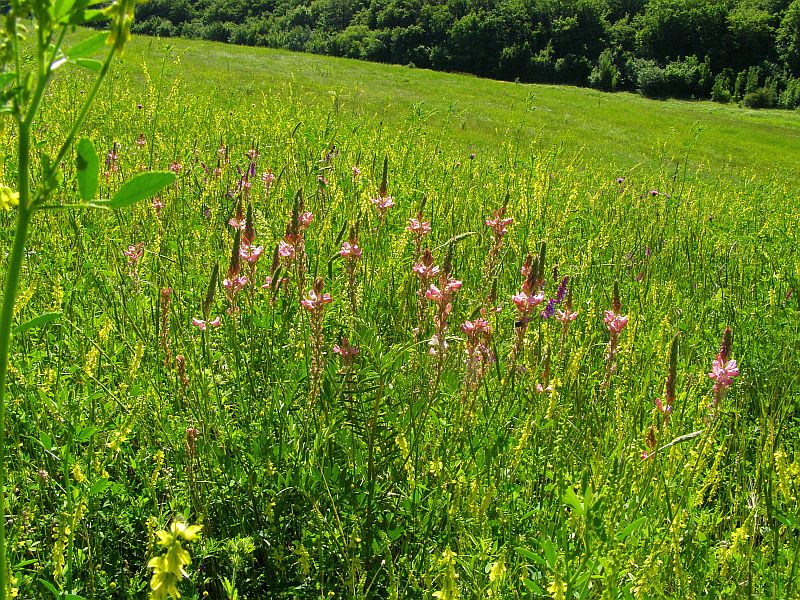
<point>6,315</point>
<point>76,125</point>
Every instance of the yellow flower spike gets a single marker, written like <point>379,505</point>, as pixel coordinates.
<point>8,198</point>
<point>170,568</point>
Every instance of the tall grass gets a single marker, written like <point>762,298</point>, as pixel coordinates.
<point>389,472</point>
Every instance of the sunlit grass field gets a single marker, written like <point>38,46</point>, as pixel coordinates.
<point>463,417</point>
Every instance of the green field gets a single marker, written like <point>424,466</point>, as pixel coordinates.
<point>474,446</point>
<point>626,131</point>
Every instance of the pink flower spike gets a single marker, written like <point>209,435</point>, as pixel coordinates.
<point>200,324</point>
<point>498,224</point>
<point>305,219</point>
<point>723,372</point>
<point>267,283</point>
<point>418,227</point>
<point>215,322</point>
<point>615,323</point>
<point>286,250</point>
<point>250,253</point>
<point>382,204</point>
<point>350,250</point>
<point>433,293</point>
<point>565,317</point>
<point>238,223</point>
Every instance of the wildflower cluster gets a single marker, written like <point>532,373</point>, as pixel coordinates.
<point>170,567</point>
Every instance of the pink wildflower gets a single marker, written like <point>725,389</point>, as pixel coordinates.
<point>176,167</point>
<point>305,220</point>
<point>382,204</point>
<point>615,323</point>
<point>356,172</point>
<point>204,325</point>
<point>722,373</point>
<point>526,302</point>
<point>235,284</point>
<point>565,316</point>
<point>499,224</point>
<point>286,250</point>
<point>350,250</point>
<point>251,253</point>
<point>315,300</point>
<point>134,254</point>
<point>418,227</point>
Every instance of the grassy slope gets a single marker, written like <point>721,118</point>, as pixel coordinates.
<point>623,129</point>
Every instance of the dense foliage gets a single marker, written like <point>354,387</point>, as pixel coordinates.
<point>744,50</point>
<point>168,387</point>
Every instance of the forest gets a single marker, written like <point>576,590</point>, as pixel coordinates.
<point>746,51</point>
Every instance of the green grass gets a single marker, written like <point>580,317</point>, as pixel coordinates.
<point>404,474</point>
<point>624,130</point>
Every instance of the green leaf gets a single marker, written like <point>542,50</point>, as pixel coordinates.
<point>532,587</point>
<point>37,322</point>
<point>550,553</point>
<point>571,498</point>
<point>87,47</point>
<point>90,64</point>
<point>61,8</point>
<point>140,187</point>
<point>532,556</point>
<point>88,169</point>
<point>85,434</point>
<point>631,527</point>
<point>99,486</point>
<point>6,78</point>
<point>49,587</point>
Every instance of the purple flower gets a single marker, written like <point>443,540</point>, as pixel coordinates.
<point>549,309</point>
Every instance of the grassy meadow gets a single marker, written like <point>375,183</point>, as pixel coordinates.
<point>471,412</point>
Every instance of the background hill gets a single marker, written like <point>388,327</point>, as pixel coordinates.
<point>624,132</point>
<point>745,50</point>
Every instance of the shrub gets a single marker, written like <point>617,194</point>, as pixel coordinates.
<point>650,78</point>
<point>762,97</point>
<point>790,98</point>
<point>605,75</point>
<point>721,91</point>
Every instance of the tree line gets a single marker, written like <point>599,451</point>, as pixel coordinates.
<point>727,50</point>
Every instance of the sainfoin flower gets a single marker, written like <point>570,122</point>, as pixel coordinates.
<point>498,223</point>
<point>418,227</point>
<point>315,300</point>
<point>134,253</point>
<point>350,250</point>
<point>722,372</point>
<point>204,325</point>
<point>235,284</point>
<point>251,253</point>
<point>382,204</point>
<point>286,250</point>
<point>346,352</point>
<point>526,302</point>
<point>615,323</point>
<point>565,316</point>
<point>305,220</point>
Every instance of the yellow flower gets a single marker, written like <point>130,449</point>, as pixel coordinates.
<point>170,568</point>
<point>8,198</point>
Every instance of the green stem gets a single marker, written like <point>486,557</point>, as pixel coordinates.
<point>6,315</point>
<point>76,125</point>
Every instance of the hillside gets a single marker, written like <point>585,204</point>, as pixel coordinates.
<point>745,50</point>
<point>623,130</point>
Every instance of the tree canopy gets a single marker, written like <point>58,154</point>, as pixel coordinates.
<point>744,50</point>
